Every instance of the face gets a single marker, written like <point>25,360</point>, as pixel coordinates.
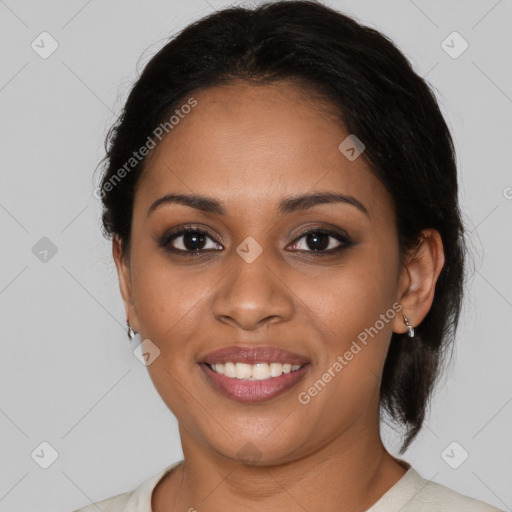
<point>263,276</point>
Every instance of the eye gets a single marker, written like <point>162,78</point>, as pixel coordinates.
<point>194,241</point>
<point>320,241</point>
<point>189,241</point>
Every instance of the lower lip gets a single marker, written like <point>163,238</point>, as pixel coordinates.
<point>253,391</point>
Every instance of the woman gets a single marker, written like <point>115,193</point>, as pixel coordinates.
<point>281,192</point>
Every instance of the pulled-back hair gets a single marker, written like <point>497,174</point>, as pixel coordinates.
<point>378,97</point>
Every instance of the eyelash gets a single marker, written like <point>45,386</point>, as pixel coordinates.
<point>166,240</point>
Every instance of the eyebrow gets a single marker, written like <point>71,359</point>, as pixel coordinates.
<point>286,206</point>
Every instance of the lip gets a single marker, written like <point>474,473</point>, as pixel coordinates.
<point>253,391</point>
<point>253,355</point>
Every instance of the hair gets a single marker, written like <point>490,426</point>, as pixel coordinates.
<point>379,98</point>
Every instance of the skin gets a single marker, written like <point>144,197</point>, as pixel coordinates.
<point>250,147</point>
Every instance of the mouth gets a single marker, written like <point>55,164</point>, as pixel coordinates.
<point>249,375</point>
<point>258,371</point>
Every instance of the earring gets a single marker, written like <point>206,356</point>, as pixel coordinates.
<point>131,333</point>
<point>410,327</point>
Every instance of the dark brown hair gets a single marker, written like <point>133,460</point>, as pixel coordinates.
<point>381,100</point>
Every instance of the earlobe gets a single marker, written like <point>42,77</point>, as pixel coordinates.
<point>418,280</point>
<point>125,285</point>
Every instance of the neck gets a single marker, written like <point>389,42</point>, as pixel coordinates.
<point>354,470</point>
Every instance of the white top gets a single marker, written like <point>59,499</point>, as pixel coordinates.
<point>412,493</point>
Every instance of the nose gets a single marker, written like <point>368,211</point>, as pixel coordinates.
<point>253,295</point>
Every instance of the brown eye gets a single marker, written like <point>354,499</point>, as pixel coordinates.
<point>189,241</point>
<point>321,241</point>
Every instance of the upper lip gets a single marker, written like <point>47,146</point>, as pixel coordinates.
<point>253,355</point>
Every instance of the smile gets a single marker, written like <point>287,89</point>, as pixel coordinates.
<point>258,371</point>
<point>253,383</point>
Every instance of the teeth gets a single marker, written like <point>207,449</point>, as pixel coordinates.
<point>258,371</point>
<point>243,371</point>
<point>229,370</point>
<point>276,369</point>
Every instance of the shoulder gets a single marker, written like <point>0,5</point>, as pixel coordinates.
<point>114,504</point>
<point>138,500</point>
<point>433,497</point>
<point>416,494</point>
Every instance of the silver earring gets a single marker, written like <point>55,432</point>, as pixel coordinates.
<point>410,327</point>
<point>131,332</point>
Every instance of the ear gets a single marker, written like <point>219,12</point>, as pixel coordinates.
<point>125,282</point>
<point>418,279</point>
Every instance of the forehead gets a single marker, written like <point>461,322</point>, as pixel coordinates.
<point>256,143</point>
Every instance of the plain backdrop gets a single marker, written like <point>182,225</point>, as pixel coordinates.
<point>68,375</point>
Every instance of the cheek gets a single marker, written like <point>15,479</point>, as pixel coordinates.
<point>348,308</point>
<point>351,297</point>
<point>170,301</point>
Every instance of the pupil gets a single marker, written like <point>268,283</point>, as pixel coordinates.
<point>190,239</point>
<point>317,244</point>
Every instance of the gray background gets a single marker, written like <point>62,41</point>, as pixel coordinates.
<point>68,374</point>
